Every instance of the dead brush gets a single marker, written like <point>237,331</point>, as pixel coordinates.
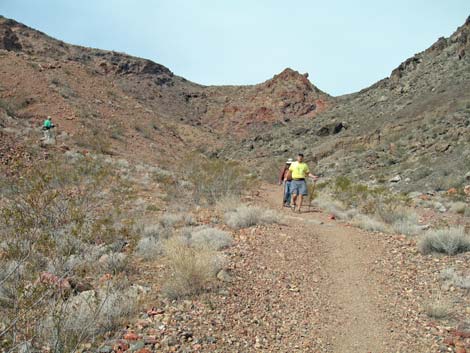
<point>191,269</point>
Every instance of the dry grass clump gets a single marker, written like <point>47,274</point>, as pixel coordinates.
<point>192,269</point>
<point>368,223</point>
<point>458,207</point>
<point>247,216</point>
<point>450,241</point>
<point>451,277</point>
<point>438,307</point>
<point>228,203</point>
<point>211,238</point>
<point>114,263</point>
<point>406,227</point>
<point>169,220</point>
<point>334,207</point>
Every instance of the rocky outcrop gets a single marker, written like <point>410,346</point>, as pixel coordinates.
<point>9,40</point>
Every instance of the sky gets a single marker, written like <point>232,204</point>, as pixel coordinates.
<point>344,45</point>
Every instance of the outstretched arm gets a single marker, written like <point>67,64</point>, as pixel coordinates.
<point>314,177</point>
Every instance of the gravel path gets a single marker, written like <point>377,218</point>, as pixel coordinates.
<point>309,284</point>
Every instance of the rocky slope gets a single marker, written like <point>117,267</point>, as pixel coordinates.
<point>116,103</point>
<point>414,123</point>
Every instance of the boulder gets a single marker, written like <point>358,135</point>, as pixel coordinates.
<point>331,129</point>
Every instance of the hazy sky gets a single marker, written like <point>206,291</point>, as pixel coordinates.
<point>344,45</point>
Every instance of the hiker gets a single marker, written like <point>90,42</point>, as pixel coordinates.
<point>285,177</point>
<point>46,127</point>
<point>300,171</point>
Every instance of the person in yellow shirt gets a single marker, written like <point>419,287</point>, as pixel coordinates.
<point>299,171</point>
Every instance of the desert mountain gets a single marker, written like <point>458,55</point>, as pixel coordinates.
<point>117,103</point>
<point>413,123</point>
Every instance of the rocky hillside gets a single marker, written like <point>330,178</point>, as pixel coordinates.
<point>414,124</point>
<point>411,127</point>
<point>116,103</point>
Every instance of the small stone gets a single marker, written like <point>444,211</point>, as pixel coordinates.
<point>395,179</point>
<point>224,276</point>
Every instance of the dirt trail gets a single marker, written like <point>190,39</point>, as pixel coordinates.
<point>350,317</point>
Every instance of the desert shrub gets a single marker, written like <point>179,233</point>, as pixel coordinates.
<point>270,170</point>
<point>365,198</point>
<point>458,207</point>
<point>449,275</point>
<point>406,227</point>
<point>54,216</point>
<point>450,241</point>
<point>162,176</point>
<point>87,314</point>
<point>114,263</point>
<point>191,268</point>
<point>169,220</point>
<point>211,238</point>
<point>392,213</point>
<point>334,207</point>
<point>152,230</point>
<point>247,216</point>
<point>437,307</point>
<point>228,203</point>
<point>149,247</point>
<point>368,223</point>
<point>213,179</point>
<point>93,139</point>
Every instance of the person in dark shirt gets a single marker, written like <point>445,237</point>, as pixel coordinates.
<point>285,178</point>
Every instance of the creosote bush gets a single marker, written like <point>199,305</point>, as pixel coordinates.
<point>450,241</point>
<point>214,179</point>
<point>56,222</point>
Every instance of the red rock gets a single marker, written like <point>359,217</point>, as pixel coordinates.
<point>452,191</point>
<point>331,216</point>
<point>131,336</point>
<point>460,350</point>
<point>106,277</point>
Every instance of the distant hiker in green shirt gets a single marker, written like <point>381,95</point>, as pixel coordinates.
<point>46,127</point>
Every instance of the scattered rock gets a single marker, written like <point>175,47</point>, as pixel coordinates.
<point>395,179</point>
<point>224,276</point>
